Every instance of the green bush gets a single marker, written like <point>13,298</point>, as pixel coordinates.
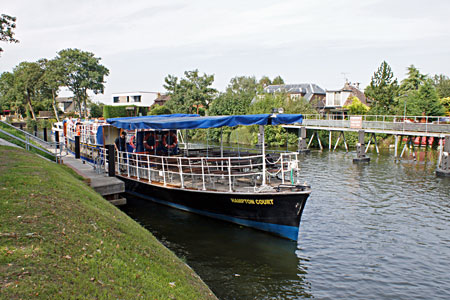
<point>159,110</point>
<point>110,111</point>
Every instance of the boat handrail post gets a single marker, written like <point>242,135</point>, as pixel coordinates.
<point>282,168</point>
<point>229,174</point>
<point>263,146</point>
<point>203,174</point>
<point>180,166</point>
<point>128,163</point>
<point>149,169</point>
<point>136,161</point>
<point>163,170</point>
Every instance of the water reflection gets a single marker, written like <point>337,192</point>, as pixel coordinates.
<point>236,262</point>
<point>369,231</point>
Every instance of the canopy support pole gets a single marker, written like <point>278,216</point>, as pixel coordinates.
<point>221,141</point>
<point>186,141</point>
<point>263,147</point>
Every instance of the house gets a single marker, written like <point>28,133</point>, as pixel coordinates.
<point>309,91</point>
<point>65,104</point>
<point>162,99</point>
<point>141,99</point>
<point>337,99</point>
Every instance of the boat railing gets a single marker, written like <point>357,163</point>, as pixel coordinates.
<point>225,174</point>
<point>87,132</point>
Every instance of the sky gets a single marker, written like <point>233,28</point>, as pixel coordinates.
<point>304,41</point>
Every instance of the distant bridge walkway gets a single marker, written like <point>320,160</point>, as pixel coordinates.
<point>395,125</point>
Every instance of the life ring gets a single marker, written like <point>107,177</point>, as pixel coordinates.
<point>173,139</point>
<point>131,142</point>
<point>147,144</point>
<point>78,130</point>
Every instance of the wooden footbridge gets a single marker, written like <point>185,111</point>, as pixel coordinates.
<point>410,127</point>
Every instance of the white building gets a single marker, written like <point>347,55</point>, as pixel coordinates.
<point>142,99</point>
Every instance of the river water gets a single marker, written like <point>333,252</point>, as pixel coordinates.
<point>372,231</point>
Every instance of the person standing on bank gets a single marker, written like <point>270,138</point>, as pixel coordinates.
<point>121,145</point>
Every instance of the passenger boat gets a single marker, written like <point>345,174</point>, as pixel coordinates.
<point>93,134</point>
<point>255,189</point>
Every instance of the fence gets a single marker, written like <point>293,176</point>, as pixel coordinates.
<point>422,124</point>
<point>225,174</point>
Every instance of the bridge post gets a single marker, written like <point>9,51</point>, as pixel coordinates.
<point>77,147</point>
<point>111,160</point>
<point>444,169</point>
<point>57,139</point>
<point>302,146</point>
<point>396,146</point>
<point>360,149</point>
<point>329,141</point>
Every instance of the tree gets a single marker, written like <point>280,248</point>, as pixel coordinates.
<point>383,90</point>
<point>357,107</point>
<point>159,110</point>
<point>298,106</point>
<point>7,25</point>
<point>6,89</point>
<point>442,85</point>
<point>28,80</point>
<point>266,103</point>
<point>53,79</point>
<point>265,81</point>
<point>96,110</point>
<point>446,104</point>
<point>278,80</point>
<point>414,80</point>
<point>424,101</point>
<point>83,72</point>
<point>192,91</point>
<point>237,98</point>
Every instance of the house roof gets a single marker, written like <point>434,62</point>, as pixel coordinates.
<point>355,92</point>
<point>163,98</point>
<point>64,99</point>
<point>308,90</point>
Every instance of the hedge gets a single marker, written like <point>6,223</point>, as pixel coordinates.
<point>110,111</point>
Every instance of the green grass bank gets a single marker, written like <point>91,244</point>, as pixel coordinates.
<point>61,240</point>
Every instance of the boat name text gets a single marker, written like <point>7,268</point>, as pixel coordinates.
<point>253,201</point>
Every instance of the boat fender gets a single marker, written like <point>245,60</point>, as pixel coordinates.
<point>147,144</point>
<point>132,142</point>
<point>173,140</point>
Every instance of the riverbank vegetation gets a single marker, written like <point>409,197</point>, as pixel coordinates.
<point>59,240</point>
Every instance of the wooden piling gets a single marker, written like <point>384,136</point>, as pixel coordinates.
<point>444,169</point>
<point>360,149</point>
<point>302,146</point>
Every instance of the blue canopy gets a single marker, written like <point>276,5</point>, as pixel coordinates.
<point>171,122</point>
<point>154,116</point>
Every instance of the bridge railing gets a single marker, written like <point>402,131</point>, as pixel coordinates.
<point>426,124</point>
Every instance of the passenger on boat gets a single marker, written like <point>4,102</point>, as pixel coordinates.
<point>121,142</point>
<point>121,145</point>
